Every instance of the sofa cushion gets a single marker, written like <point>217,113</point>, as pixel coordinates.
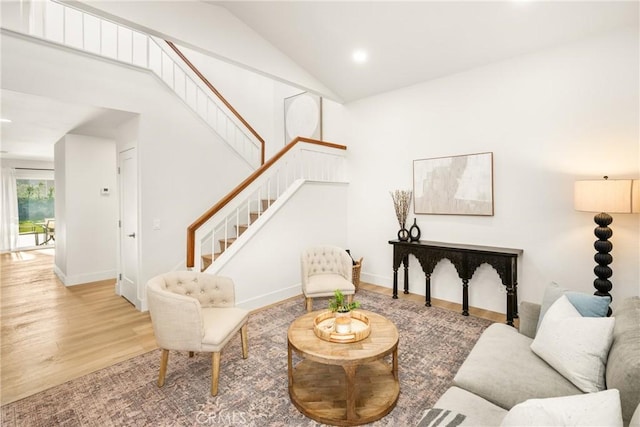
<point>326,284</point>
<point>635,419</point>
<point>623,364</point>
<point>475,410</point>
<point>591,409</point>
<point>502,368</point>
<point>575,346</point>
<point>528,315</point>
<point>587,305</point>
<point>436,417</point>
<point>220,324</point>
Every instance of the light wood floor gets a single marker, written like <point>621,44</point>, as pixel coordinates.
<point>52,333</point>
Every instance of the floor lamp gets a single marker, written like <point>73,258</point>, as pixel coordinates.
<point>605,196</point>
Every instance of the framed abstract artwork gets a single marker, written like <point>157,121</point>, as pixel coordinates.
<point>457,185</point>
<point>303,116</point>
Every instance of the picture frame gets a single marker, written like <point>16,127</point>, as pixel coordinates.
<point>455,185</point>
<point>303,116</point>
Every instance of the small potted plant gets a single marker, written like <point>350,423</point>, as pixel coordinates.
<point>342,310</point>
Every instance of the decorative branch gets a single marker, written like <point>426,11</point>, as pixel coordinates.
<point>401,202</point>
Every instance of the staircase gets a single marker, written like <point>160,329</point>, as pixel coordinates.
<point>217,234</point>
<point>223,244</point>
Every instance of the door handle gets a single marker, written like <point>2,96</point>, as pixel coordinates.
<point>131,235</point>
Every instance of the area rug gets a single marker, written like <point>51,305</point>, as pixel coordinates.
<point>433,344</point>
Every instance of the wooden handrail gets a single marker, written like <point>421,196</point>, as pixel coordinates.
<point>191,230</point>
<point>219,95</point>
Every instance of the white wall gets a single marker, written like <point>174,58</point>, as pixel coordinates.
<point>549,118</point>
<point>127,134</point>
<point>258,99</point>
<point>87,220</point>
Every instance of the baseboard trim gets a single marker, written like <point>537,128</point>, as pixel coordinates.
<point>270,298</point>
<point>376,279</point>
<point>81,279</point>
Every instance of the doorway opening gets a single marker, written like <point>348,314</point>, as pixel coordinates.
<point>36,208</point>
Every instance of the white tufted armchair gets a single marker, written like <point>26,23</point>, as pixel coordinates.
<point>325,269</point>
<point>195,312</point>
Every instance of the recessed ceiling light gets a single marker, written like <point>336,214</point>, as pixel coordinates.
<point>5,120</point>
<point>359,56</point>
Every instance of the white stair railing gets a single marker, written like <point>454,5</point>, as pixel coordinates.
<point>89,33</point>
<point>305,161</point>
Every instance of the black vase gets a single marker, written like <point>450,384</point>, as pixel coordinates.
<point>403,234</point>
<point>414,232</point>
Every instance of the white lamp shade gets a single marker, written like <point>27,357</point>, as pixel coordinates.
<point>604,195</point>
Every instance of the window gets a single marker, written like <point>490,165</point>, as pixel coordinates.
<point>36,204</point>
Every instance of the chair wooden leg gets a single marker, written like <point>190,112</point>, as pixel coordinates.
<point>309,304</point>
<point>243,337</point>
<point>191,354</point>
<point>215,372</point>
<point>349,299</point>
<point>164,359</point>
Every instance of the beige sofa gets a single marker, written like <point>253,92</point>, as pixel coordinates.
<point>502,371</point>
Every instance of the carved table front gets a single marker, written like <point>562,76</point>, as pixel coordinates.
<point>466,259</point>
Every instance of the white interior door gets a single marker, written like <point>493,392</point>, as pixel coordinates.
<point>128,164</point>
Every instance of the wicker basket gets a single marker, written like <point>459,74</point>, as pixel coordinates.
<point>356,273</point>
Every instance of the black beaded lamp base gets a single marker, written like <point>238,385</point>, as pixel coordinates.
<point>603,258</point>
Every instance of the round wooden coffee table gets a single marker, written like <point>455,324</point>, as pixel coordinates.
<point>344,384</point>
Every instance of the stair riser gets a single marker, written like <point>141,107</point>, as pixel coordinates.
<point>207,260</point>
<point>241,229</point>
<point>229,242</point>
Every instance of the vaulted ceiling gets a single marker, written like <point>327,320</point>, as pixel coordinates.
<point>408,42</point>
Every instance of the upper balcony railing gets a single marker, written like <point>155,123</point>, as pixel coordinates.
<point>74,28</point>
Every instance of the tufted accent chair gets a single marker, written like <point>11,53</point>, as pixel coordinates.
<point>325,269</point>
<point>195,312</point>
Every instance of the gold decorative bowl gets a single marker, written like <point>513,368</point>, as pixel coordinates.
<point>324,327</point>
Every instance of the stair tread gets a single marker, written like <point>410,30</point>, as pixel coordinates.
<point>229,240</point>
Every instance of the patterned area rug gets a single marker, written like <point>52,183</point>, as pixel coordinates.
<point>433,344</point>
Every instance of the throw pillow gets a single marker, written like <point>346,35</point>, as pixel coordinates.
<point>437,417</point>
<point>587,305</point>
<point>592,409</point>
<point>575,346</point>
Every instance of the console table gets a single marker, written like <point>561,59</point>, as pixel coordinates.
<point>466,259</point>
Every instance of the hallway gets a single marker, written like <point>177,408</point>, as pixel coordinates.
<point>52,333</point>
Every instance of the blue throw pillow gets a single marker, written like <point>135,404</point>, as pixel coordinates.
<point>589,305</point>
